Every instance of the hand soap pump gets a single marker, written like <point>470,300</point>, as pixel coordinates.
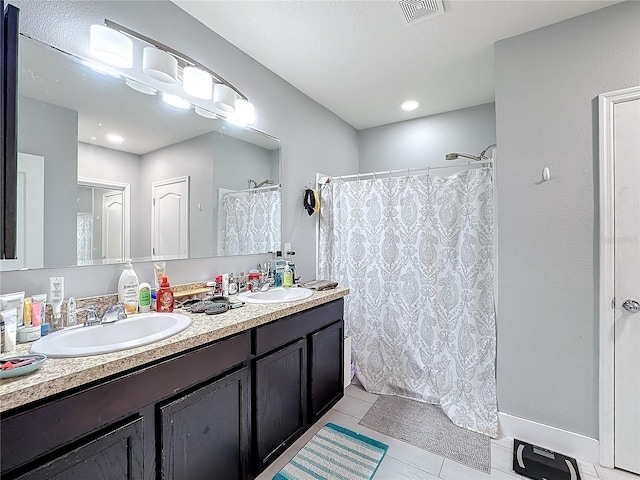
<point>164,299</point>
<point>287,276</point>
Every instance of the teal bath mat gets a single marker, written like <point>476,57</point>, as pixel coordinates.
<point>335,453</point>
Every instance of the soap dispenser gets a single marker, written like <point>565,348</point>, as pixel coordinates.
<point>164,297</point>
<point>287,276</point>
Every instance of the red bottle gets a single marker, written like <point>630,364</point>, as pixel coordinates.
<point>164,296</point>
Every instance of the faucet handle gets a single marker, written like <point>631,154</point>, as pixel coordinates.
<point>92,315</point>
<point>114,313</point>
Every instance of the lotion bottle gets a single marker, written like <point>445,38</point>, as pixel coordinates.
<point>144,298</point>
<point>128,289</point>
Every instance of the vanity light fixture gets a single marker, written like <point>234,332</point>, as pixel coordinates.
<point>205,113</point>
<point>224,98</point>
<point>159,65</point>
<point>197,82</point>
<point>409,105</point>
<point>245,113</point>
<point>110,46</point>
<point>175,101</point>
<point>140,87</point>
<point>163,63</point>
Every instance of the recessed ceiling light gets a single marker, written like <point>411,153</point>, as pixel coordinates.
<point>409,105</point>
<point>93,137</point>
<point>115,138</point>
<point>175,101</point>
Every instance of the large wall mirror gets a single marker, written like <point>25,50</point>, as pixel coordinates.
<point>108,170</point>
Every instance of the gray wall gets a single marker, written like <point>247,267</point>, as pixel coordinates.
<point>177,160</point>
<point>425,141</point>
<point>311,135</point>
<point>42,126</point>
<point>102,163</point>
<point>547,82</point>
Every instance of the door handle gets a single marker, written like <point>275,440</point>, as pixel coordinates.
<point>631,306</point>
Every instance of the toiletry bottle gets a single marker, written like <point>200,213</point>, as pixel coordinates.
<point>292,267</point>
<point>128,289</point>
<point>233,285</point>
<point>164,297</point>
<point>225,284</point>
<point>56,294</point>
<point>26,316</point>
<point>71,312</point>
<point>144,297</point>
<point>287,277</point>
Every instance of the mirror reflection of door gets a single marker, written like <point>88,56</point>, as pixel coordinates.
<point>112,224</point>
<point>170,225</point>
<point>103,222</point>
<point>30,215</point>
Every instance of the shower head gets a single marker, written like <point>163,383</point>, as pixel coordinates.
<point>477,158</point>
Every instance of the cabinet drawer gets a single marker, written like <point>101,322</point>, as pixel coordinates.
<point>285,330</point>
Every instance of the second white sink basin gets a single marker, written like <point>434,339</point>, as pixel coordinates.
<point>276,295</point>
<point>134,331</point>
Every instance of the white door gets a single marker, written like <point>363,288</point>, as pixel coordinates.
<point>112,225</point>
<point>170,219</point>
<point>627,285</point>
<point>30,211</point>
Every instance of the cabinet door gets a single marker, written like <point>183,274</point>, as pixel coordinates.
<point>204,434</point>
<point>279,401</point>
<point>115,454</point>
<point>326,369</point>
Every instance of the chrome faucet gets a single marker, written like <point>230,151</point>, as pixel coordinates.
<point>264,286</point>
<point>92,315</point>
<point>113,314</point>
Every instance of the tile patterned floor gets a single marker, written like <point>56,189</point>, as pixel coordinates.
<point>404,461</point>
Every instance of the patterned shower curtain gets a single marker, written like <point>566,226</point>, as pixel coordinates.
<point>417,253</point>
<point>250,222</point>
<point>84,244</point>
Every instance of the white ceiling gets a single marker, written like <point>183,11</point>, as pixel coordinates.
<point>361,59</point>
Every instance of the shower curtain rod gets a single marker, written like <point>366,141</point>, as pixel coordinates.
<point>388,173</point>
<point>259,189</point>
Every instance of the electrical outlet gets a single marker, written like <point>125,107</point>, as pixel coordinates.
<point>287,249</point>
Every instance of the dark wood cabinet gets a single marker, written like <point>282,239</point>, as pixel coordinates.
<point>280,407</point>
<point>226,409</point>
<point>117,453</point>
<point>326,371</point>
<point>297,377</point>
<point>205,432</point>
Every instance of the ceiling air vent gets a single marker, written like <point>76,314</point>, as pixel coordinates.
<point>417,10</point>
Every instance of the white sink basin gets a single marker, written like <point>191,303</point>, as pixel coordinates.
<point>276,295</point>
<point>134,331</point>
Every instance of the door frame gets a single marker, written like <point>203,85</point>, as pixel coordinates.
<point>126,205</point>
<point>606,103</point>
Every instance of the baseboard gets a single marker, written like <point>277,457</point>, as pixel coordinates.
<point>556,439</point>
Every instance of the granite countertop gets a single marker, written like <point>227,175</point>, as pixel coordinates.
<point>59,374</point>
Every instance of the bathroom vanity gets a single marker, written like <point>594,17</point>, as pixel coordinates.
<point>222,399</point>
